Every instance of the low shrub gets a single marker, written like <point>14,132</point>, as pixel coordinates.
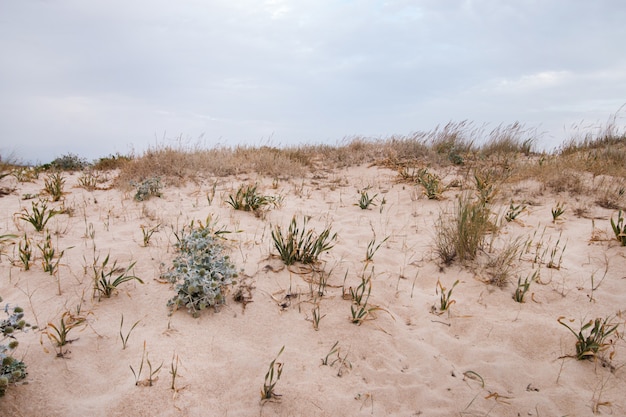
<point>147,188</point>
<point>69,162</point>
<point>201,272</point>
<point>11,369</point>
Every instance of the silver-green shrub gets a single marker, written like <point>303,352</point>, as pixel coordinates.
<point>11,369</point>
<point>201,272</point>
<point>148,188</point>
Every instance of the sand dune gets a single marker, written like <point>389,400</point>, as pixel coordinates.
<point>486,355</point>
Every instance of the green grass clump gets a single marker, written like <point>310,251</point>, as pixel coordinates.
<point>53,184</point>
<point>366,201</point>
<point>301,245</point>
<point>592,337</point>
<point>433,189</point>
<point>107,279</point>
<point>523,287</point>
<point>248,198</point>
<point>445,298</point>
<point>462,234</point>
<point>39,216</point>
<point>201,272</point>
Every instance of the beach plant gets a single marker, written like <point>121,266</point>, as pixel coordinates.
<point>147,233</point>
<point>248,198</point>
<point>433,189</point>
<point>69,162</point>
<point>316,317</point>
<point>25,174</point>
<point>334,349</point>
<point>554,262</point>
<point>360,309</point>
<point>148,188</point>
<point>592,336</point>
<point>12,370</point>
<point>522,287</point>
<point>25,252</point>
<point>272,377</point>
<point>59,333</point>
<point>88,180</point>
<point>3,239</point>
<point>445,298</point>
<point>557,212</point>
<point>359,292</point>
<point>107,279</point>
<point>366,201</point>
<point>201,271</point>
<point>152,372</point>
<point>39,216</point>
<point>372,248</point>
<point>500,266</point>
<point>485,185</point>
<point>53,185</point>
<point>174,371</point>
<point>50,258</point>
<point>619,228</point>
<point>462,233</point>
<point>514,211</point>
<point>125,338</point>
<point>300,244</point>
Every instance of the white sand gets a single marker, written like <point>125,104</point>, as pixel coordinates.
<point>405,361</point>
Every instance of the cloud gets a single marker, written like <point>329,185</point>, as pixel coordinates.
<point>120,72</point>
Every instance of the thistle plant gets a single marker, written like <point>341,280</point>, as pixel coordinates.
<point>150,187</point>
<point>271,379</point>
<point>11,369</point>
<point>107,279</point>
<point>53,185</point>
<point>619,228</point>
<point>366,201</point>
<point>40,215</point>
<point>592,337</point>
<point>200,273</point>
<point>301,245</point>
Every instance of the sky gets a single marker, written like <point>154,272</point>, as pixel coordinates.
<point>95,78</point>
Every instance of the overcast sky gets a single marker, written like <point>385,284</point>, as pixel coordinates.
<point>99,77</point>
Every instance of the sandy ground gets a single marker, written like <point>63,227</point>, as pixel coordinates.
<point>487,355</point>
